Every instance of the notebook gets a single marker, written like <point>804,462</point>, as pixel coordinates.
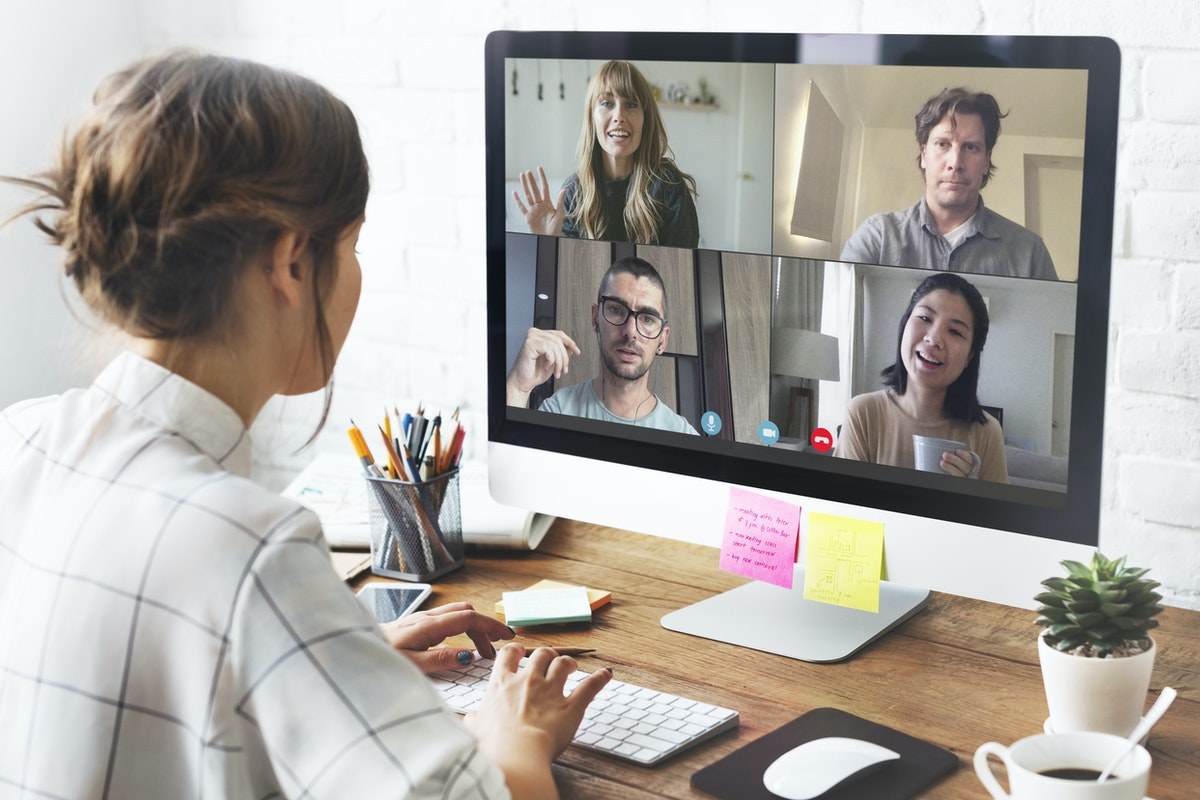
<point>738,776</point>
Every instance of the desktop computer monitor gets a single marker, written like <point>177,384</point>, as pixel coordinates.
<point>792,192</point>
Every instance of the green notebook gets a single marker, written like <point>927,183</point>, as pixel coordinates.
<point>738,776</point>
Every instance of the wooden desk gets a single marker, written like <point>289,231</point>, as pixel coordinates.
<point>958,674</point>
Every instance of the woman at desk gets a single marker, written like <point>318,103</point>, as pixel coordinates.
<point>931,387</point>
<point>169,626</point>
<point>626,187</point>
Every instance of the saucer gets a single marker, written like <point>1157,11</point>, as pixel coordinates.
<point>1048,728</point>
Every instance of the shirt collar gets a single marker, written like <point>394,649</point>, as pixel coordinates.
<point>978,223</point>
<point>180,406</point>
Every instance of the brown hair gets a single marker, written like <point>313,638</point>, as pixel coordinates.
<point>958,100</point>
<point>187,167</point>
<point>642,217</point>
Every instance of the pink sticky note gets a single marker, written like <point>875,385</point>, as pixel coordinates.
<point>761,535</point>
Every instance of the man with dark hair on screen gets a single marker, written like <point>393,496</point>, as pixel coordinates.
<point>950,228</point>
<point>629,319</point>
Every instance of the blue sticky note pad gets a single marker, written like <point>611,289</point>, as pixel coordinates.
<point>545,606</point>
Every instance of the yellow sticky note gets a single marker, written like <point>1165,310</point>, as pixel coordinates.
<point>843,560</point>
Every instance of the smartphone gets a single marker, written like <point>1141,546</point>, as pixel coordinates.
<point>389,602</point>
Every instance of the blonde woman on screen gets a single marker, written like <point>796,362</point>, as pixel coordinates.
<point>626,187</point>
<point>170,627</point>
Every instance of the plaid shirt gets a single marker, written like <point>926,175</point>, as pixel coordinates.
<point>168,628</point>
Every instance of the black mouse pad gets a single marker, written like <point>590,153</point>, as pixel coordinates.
<point>738,776</point>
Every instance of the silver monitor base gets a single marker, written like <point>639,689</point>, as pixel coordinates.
<point>765,617</point>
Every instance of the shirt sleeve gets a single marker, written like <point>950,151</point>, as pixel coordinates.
<point>865,246</point>
<point>570,229</point>
<point>852,440</point>
<point>1043,264</point>
<point>683,229</point>
<point>340,713</point>
<point>993,464</point>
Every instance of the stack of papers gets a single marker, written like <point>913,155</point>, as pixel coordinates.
<point>334,488</point>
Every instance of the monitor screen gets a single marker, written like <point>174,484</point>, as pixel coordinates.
<point>868,271</point>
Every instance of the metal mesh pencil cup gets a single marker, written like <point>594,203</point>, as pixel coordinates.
<point>416,528</point>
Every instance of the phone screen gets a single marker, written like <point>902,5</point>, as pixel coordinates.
<point>390,603</point>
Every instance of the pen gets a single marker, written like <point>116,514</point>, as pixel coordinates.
<point>417,432</point>
<point>433,431</point>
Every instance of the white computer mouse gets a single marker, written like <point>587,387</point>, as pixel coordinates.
<point>813,768</point>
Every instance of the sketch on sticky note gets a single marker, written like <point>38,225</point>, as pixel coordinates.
<point>843,560</point>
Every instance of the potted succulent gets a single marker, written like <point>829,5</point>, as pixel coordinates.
<point>1096,652</point>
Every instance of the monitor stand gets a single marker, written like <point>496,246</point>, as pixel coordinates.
<point>765,617</point>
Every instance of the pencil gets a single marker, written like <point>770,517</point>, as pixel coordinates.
<point>362,451</point>
<point>393,457</point>
<point>564,651</point>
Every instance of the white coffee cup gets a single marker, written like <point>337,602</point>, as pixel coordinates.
<point>927,453</point>
<point>1029,758</point>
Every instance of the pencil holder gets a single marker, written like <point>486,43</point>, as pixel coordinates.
<point>416,528</point>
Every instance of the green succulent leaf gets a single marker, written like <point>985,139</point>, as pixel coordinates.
<point>1049,599</point>
<point>1089,619</point>
<point>1077,605</point>
<point>1052,614</point>
<point>1069,642</point>
<point>1059,631</point>
<point>1078,570</point>
<point>1115,609</point>
<point>1103,633</point>
<point>1058,585</point>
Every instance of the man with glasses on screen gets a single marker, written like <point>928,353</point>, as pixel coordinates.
<point>629,319</point>
<point>950,228</point>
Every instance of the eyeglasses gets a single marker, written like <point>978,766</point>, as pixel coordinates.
<point>615,312</point>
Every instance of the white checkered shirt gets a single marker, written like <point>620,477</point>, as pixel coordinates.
<point>168,628</point>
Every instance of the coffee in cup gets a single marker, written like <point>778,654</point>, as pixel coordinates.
<point>1065,766</point>
<point>928,450</point>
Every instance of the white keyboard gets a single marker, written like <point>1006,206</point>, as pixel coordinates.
<point>625,721</point>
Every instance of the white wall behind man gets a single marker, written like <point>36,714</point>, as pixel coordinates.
<point>414,73</point>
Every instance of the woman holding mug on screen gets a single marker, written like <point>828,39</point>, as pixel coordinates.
<point>931,388</point>
<point>626,187</point>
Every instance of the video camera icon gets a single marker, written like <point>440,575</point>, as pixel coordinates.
<point>768,433</point>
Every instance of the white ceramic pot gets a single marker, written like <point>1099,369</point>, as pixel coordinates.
<point>1095,694</point>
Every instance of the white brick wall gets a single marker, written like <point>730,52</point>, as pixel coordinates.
<point>413,72</point>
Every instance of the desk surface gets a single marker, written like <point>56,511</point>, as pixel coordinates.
<point>959,673</point>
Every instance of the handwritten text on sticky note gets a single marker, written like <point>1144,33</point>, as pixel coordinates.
<point>842,561</point>
<point>760,539</point>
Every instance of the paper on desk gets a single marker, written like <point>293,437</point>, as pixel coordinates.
<point>332,485</point>
<point>761,537</point>
<point>843,561</point>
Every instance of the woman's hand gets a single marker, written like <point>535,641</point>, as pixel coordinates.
<point>524,722</point>
<point>959,463</point>
<point>542,215</point>
<point>419,636</point>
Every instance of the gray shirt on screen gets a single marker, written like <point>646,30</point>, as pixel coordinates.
<point>992,245</point>
<point>580,401</point>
